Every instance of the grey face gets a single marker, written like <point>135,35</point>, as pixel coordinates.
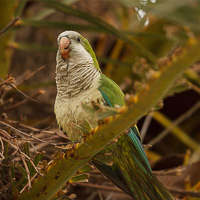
<point>75,47</point>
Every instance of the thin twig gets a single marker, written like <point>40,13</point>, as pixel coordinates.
<point>91,197</point>
<point>170,172</point>
<point>194,87</point>
<point>34,165</point>
<point>27,170</point>
<point>22,153</point>
<point>14,152</point>
<point>5,187</point>
<point>100,195</point>
<point>32,74</point>
<point>27,183</point>
<point>175,123</point>
<point>17,149</point>
<point>9,25</point>
<point>34,148</point>
<point>39,92</point>
<point>25,134</point>
<point>25,164</point>
<point>9,80</point>
<point>2,150</point>
<point>109,196</point>
<point>10,143</point>
<point>5,134</point>
<point>100,187</point>
<point>184,192</point>
<point>14,87</point>
<point>50,162</point>
<point>145,126</point>
<point>6,102</point>
<point>36,130</point>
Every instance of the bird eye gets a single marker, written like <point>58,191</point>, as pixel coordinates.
<point>79,39</point>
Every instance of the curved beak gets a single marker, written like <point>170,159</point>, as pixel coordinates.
<point>64,47</point>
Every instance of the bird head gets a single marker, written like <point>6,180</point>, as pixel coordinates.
<point>72,46</point>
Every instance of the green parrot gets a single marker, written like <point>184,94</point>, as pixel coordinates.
<point>80,80</point>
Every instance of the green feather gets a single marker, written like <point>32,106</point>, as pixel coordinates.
<point>130,170</point>
<point>89,49</point>
<point>112,93</point>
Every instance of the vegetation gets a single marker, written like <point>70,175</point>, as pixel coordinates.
<point>150,48</point>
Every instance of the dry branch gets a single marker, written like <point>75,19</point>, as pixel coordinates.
<point>21,133</point>
<point>9,25</point>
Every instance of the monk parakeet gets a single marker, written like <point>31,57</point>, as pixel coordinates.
<point>80,80</point>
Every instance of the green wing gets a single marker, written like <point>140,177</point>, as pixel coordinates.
<point>111,92</point>
<point>130,170</point>
<point>112,95</point>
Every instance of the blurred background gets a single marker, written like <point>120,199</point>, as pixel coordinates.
<point>131,39</point>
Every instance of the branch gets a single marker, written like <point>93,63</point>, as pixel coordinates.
<point>66,164</point>
<point>184,192</point>
<point>99,187</point>
<point>25,134</point>
<point>32,74</point>
<point>36,130</point>
<point>18,104</point>
<point>9,25</point>
<point>8,82</point>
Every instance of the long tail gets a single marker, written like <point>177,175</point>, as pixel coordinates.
<point>131,171</point>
